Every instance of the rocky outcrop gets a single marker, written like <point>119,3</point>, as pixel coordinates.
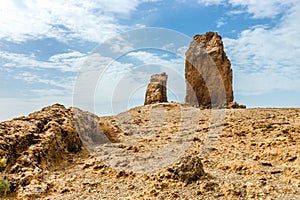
<point>208,72</point>
<point>34,144</point>
<point>157,89</point>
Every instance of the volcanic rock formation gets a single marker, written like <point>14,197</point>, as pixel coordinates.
<point>208,72</point>
<point>157,91</point>
<point>35,144</point>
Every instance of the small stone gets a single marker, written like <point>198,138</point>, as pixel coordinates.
<point>266,164</point>
<point>130,187</point>
<point>276,172</point>
<point>293,158</point>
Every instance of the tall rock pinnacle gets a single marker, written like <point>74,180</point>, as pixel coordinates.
<point>208,72</point>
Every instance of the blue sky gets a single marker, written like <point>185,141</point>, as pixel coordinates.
<point>45,44</point>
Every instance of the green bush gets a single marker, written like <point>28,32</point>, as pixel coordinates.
<point>4,186</point>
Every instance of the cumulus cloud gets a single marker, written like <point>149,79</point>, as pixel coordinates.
<point>64,20</point>
<point>267,58</point>
<point>55,76</point>
<point>257,8</point>
<point>66,62</point>
<point>262,9</point>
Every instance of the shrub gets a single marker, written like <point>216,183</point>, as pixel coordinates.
<point>4,186</point>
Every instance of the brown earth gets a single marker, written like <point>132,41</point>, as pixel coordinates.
<point>256,155</point>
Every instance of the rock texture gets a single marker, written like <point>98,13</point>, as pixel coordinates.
<point>34,144</point>
<point>188,168</point>
<point>208,72</point>
<point>157,89</point>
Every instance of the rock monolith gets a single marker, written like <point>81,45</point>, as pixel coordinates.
<point>157,89</point>
<point>208,72</point>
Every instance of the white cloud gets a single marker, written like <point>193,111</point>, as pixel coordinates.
<point>262,9</point>
<point>154,59</point>
<point>211,2</point>
<point>66,62</point>
<point>50,75</point>
<point>266,59</point>
<point>257,8</point>
<point>97,78</point>
<point>119,45</point>
<point>65,84</point>
<point>66,56</point>
<point>121,7</point>
<point>64,20</point>
<point>221,22</point>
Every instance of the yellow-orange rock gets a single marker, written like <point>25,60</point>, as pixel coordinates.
<point>157,89</point>
<point>208,72</point>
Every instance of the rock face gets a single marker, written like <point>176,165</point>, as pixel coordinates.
<point>34,144</point>
<point>157,89</point>
<point>208,72</point>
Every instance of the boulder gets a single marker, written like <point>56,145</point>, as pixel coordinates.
<point>208,72</point>
<point>188,168</point>
<point>157,89</point>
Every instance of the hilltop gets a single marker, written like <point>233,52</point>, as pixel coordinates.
<point>255,156</point>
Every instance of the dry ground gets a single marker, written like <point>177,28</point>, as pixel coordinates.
<point>256,155</point>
